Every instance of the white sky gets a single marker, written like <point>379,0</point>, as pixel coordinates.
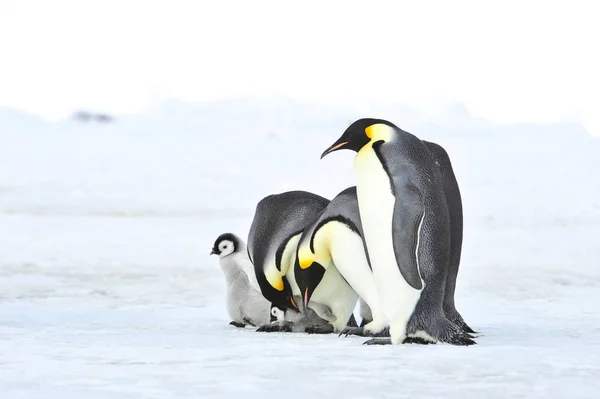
<point>509,61</point>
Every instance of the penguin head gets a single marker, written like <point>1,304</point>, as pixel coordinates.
<point>360,133</point>
<point>308,276</point>
<point>277,314</point>
<point>225,245</point>
<point>277,289</point>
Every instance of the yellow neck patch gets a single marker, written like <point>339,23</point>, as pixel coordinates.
<point>276,281</point>
<point>379,131</point>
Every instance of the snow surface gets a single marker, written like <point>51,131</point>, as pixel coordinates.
<point>107,289</point>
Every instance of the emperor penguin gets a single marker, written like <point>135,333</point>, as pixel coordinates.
<point>455,212</point>
<point>278,222</point>
<point>406,227</point>
<point>245,302</point>
<point>333,267</point>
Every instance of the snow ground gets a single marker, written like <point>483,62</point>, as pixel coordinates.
<point>107,289</point>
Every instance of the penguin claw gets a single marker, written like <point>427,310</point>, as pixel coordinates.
<point>457,319</point>
<point>361,332</point>
<point>274,328</point>
<point>237,324</point>
<point>378,341</point>
<point>319,329</point>
<point>462,340</point>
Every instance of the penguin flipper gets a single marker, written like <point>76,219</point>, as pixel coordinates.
<point>237,324</point>
<point>409,212</point>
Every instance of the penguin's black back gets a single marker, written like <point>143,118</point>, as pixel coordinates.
<point>279,217</point>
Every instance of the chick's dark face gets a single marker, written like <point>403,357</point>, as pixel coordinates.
<point>308,276</point>
<point>356,136</point>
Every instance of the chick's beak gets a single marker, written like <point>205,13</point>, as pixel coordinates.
<point>213,252</point>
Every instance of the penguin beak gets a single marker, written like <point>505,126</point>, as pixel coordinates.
<point>338,145</point>
<point>293,303</point>
<point>306,299</point>
<point>213,252</point>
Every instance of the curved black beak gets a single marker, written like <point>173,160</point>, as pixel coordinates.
<point>213,252</point>
<point>338,145</point>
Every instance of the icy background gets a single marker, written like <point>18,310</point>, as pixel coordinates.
<point>107,289</point>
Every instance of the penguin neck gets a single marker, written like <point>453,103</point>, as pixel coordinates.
<point>230,268</point>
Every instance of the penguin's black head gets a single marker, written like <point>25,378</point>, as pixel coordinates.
<point>357,135</point>
<point>225,245</point>
<point>308,276</point>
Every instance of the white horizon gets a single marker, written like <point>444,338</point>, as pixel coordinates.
<point>515,62</point>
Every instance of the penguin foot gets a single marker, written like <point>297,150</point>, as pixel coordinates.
<point>362,332</point>
<point>417,340</point>
<point>287,327</point>
<point>248,322</point>
<point>449,333</point>
<point>319,329</point>
<point>237,324</point>
<point>457,319</point>
<point>359,331</point>
<point>378,341</point>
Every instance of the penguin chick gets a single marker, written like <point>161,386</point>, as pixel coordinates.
<point>291,320</point>
<point>245,302</point>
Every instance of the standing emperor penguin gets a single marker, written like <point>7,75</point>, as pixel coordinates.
<point>333,267</point>
<point>406,228</point>
<point>454,201</point>
<point>278,223</point>
<point>245,302</point>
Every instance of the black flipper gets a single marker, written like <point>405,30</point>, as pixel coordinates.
<point>409,210</point>
<point>408,214</point>
<point>237,324</point>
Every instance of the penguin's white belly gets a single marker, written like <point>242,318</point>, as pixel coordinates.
<point>349,257</point>
<point>376,204</point>
<point>335,293</point>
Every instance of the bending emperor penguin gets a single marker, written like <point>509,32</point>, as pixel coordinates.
<point>279,220</point>
<point>245,303</point>
<point>406,229</point>
<point>333,267</point>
